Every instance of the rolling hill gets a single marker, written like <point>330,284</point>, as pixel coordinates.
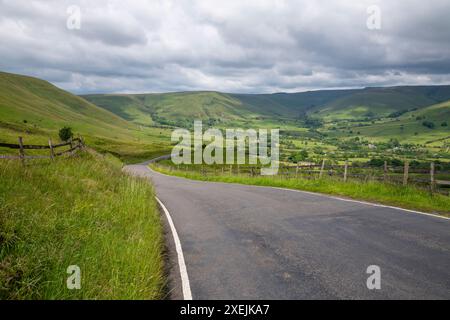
<point>379,102</point>
<point>178,108</point>
<point>183,107</point>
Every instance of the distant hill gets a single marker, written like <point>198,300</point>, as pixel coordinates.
<point>375,102</point>
<point>290,104</point>
<point>173,108</point>
<point>182,107</point>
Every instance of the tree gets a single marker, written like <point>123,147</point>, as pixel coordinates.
<point>444,124</point>
<point>299,156</point>
<point>65,133</point>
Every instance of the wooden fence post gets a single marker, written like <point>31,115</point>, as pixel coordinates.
<point>345,170</point>
<point>385,171</point>
<point>296,170</point>
<point>79,146</point>
<point>52,153</point>
<point>71,145</point>
<point>432,181</point>
<point>405,173</point>
<point>231,169</point>
<point>321,168</point>
<point>21,151</point>
<point>238,170</point>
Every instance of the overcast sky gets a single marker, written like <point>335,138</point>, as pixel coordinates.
<point>233,46</point>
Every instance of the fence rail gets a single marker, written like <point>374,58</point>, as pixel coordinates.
<point>74,144</point>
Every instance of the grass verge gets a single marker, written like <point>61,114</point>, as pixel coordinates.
<point>78,211</point>
<point>408,197</point>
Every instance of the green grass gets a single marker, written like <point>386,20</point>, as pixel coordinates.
<point>407,197</point>
<point>78,211</point>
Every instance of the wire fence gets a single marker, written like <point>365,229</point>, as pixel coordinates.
<point>431,179</point>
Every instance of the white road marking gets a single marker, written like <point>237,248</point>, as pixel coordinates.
<point>316,194</point>
<point>363,202</point>
<point>183,271</point>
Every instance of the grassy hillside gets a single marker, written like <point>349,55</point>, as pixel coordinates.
<point>44,105</point>
<point>128,107</point>
<point>36,110</point>
<point>411,126</point>
<point>178,109</point>
<point>290,104</point>
<point>78,211</point>
<point>379,102</point>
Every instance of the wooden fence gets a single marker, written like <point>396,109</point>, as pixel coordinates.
<point>74,145</point>
<point>431,178</point>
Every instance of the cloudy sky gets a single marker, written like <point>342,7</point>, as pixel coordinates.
<point>233,46</point>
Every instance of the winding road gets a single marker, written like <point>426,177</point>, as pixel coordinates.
<point>249,242</point>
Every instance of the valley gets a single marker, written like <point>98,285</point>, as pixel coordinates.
<point>358,124</point>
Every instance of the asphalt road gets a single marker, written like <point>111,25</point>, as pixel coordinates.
<point>248,242</point>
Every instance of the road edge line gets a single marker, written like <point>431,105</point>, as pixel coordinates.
<point>187,294</point>
<point>363,202</point>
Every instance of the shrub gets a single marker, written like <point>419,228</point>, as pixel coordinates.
<point>65,133</point>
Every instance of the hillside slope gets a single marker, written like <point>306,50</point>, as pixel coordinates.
<point>424,125</point>
<point>378,102</point>
<point>41,104</point>
<point>178,108</point>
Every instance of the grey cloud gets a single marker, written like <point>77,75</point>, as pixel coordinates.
<point>233,46</point>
